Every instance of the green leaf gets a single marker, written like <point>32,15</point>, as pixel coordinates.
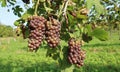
<point>62,44</point>
<point>70,18</point>
<point>64,62</point>
<point>17,10</point>
<point>100,34</point>
<point>16,23</point>
<point>86,33</point>
<point>98,7</point>
<point>27,33</point>
<point>86,37</point>
<point>28,13</point>
<point>76,1</point>
<point>71,8</point>
<point>79,16</point>
<point>42,0</point>
<point>74,31</point>
<point>89,29</point>
<point>4,3</point>
<point>25,16</point>
<point>54,53</point>
<point>55,56</point>
<point>69,69</point>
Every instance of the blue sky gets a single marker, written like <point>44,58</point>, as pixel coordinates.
<point>8,18</point>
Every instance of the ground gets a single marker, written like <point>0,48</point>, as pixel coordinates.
<point>101,56</point>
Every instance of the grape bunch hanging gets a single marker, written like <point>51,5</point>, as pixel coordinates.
<point>75,54</point>
<point>37,31</point>
<point>53,28</point>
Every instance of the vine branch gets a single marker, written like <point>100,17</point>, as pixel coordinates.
<point>36,7</point>
<point>65,7</point>
<point>64,13</point>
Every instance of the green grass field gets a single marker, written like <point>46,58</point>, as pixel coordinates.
<point>101,56</point>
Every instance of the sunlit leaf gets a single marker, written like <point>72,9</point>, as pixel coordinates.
<point>27,14</point>
<point>16,23</point>
<point>100,34</point>
<point>89,28</point>
<point>98,7</point>
<point>42,0</point>
<point>3,3</point>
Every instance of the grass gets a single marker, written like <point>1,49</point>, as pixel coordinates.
<point>101,56</point>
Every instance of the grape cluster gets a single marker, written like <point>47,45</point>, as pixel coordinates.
<point>75,54</point>
<point>37,31</point>
<point>53,28</point>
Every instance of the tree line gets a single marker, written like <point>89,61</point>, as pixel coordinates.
<point>6,31</point>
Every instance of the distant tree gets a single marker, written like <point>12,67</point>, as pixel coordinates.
<point>6,31</point>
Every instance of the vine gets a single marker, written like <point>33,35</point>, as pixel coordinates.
<point>36,7</point>
<point>62,26</point>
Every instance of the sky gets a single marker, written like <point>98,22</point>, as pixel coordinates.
<point>8,18</point>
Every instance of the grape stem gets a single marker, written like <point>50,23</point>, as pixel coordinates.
<point>36,7</point>
<point>65,7</point>
<point>64,12</point>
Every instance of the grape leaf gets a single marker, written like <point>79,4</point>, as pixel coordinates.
<point>86,37</point>
<point>42,0</point>
<point>26,33</point>
<point>16,23</point>
<point>70,19</point>
<point>98,7</point>
<point>64,62</point>
<point>82,16</point>
<point>89,29</point>
<point>4,3</point>
<point>100,34</point>
<point>17,10</point>
<point>28,13</point>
